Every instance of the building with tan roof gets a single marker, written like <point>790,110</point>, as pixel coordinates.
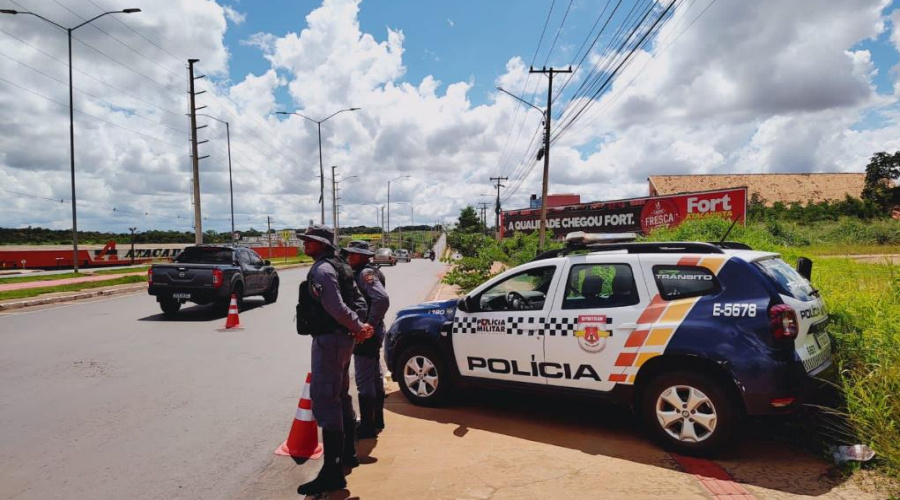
<point>771,188</point>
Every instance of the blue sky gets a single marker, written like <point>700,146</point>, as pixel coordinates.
<point>452,41</point>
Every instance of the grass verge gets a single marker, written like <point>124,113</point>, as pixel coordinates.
<point>34,292</point>
<point>302,259</point>
<point>54,277</point>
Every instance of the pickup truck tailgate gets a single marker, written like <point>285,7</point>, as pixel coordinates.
<point>187,276</point>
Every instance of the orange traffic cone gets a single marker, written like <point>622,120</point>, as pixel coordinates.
<point>233,322</point>
<point>303,440</point>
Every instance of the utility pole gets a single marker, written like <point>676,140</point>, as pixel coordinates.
<point>269,234</point>
<point>497,207</point>
<point>547,117</point>
<point>195,158</point>
<point>382,226</point>
<point>483,206</point>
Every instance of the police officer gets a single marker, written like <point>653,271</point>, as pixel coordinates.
<point>337,324</point>
<point>367,354</point>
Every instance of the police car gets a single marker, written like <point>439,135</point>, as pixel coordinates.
<point>693,336</point>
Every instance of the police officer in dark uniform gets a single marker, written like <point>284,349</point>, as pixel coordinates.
<point>337,325</point>
<point>367,354</point>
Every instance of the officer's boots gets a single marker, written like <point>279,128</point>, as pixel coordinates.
<point>331,476</point>
<point>350,458</point>
<point>379,411</point>
<point>367,428</point>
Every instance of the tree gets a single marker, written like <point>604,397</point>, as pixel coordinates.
<point>468,220</point>
<point>881,171</point>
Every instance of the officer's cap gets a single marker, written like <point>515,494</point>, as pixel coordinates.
<point>320,233</point>
<point>360,247</point>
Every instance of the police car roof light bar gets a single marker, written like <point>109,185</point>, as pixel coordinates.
<point>634,247</point>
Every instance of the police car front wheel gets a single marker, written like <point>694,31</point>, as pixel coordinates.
<point>689,412</point>
<point>424,379</point>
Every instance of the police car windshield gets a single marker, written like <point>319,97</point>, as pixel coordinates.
<point>199,255</point>
<point>788,281</point>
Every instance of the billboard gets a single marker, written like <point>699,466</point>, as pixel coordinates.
<point>638,215</point>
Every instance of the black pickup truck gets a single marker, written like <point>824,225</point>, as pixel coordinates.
<point>207,274</point>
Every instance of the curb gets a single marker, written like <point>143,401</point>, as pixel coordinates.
<point>73,297</point>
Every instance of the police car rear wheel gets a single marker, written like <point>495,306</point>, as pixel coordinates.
<point>424,379</point>
<point>169,307</point>
<point>689,413</point>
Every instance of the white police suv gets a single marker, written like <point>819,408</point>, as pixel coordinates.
<point>693,336</point>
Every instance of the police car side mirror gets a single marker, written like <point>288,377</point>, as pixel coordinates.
<point>463,304</point>
<point>266,262</point>
<point>804,267</point>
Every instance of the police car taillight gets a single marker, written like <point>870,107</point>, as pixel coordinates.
<point>150,276</point>
<point>217,278</point>
<point>783,322</point>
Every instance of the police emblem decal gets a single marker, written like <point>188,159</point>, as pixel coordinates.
<point>592,332</point>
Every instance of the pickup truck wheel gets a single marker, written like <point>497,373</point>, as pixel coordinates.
<point>170,307</point>
<point>424,378</point>
<point>226,303</point>
<point>689,413</point>
<point>271,295</point>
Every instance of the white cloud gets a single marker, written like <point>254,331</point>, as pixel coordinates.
<point>750,87</point>
<point>233,15</point>
<point>450,22</point>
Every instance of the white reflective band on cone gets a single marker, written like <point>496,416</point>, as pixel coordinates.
<point>304,415</point>
<point>305,392</point>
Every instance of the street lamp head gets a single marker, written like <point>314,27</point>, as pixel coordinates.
<point>282,113</point>
<point>8,11</point>
<point>355,109</point>
<point>193,60</point>
<point>130,11</point>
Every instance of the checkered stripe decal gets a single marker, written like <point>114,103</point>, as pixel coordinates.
<point>560,326</point>
<point>464,325</point>
<point>525,326</point>
<point>520,325</point>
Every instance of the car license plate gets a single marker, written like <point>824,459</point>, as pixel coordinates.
<point>822,339</point>
<point>181,295</point>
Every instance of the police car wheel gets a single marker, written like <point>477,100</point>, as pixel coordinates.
<point>424,378</point>
<point>689,413</point>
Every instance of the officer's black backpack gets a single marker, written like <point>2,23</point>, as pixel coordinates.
<point>312,318</point>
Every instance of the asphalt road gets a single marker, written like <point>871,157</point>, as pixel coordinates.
<point>108,399</point>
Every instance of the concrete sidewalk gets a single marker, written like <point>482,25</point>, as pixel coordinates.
<point>65,281</point>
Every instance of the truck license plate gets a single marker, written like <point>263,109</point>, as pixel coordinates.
<point>181,295</point>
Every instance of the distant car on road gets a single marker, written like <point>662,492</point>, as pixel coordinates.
<point>207,274</point>
<point>384,257</point>
<point>403,255</point>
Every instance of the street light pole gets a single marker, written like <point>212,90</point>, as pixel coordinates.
<point>71,113</point>
<point>321,167</point>
<point>230,183</point>
<point>388,230</point>
<point>132,229</point>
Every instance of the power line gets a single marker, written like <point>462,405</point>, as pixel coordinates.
<point>87,75</point>
<point>88,114</point>
<point>117,39</point>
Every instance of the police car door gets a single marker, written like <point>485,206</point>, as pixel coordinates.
<point>594,317</point>
<point>499,337</point>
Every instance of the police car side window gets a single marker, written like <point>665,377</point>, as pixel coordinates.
<point>595,286</point>
<point>243,258</point>
<point>532,284</point>
<point>681,282</point>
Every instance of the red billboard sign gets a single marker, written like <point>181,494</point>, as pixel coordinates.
<point>639,215</point>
